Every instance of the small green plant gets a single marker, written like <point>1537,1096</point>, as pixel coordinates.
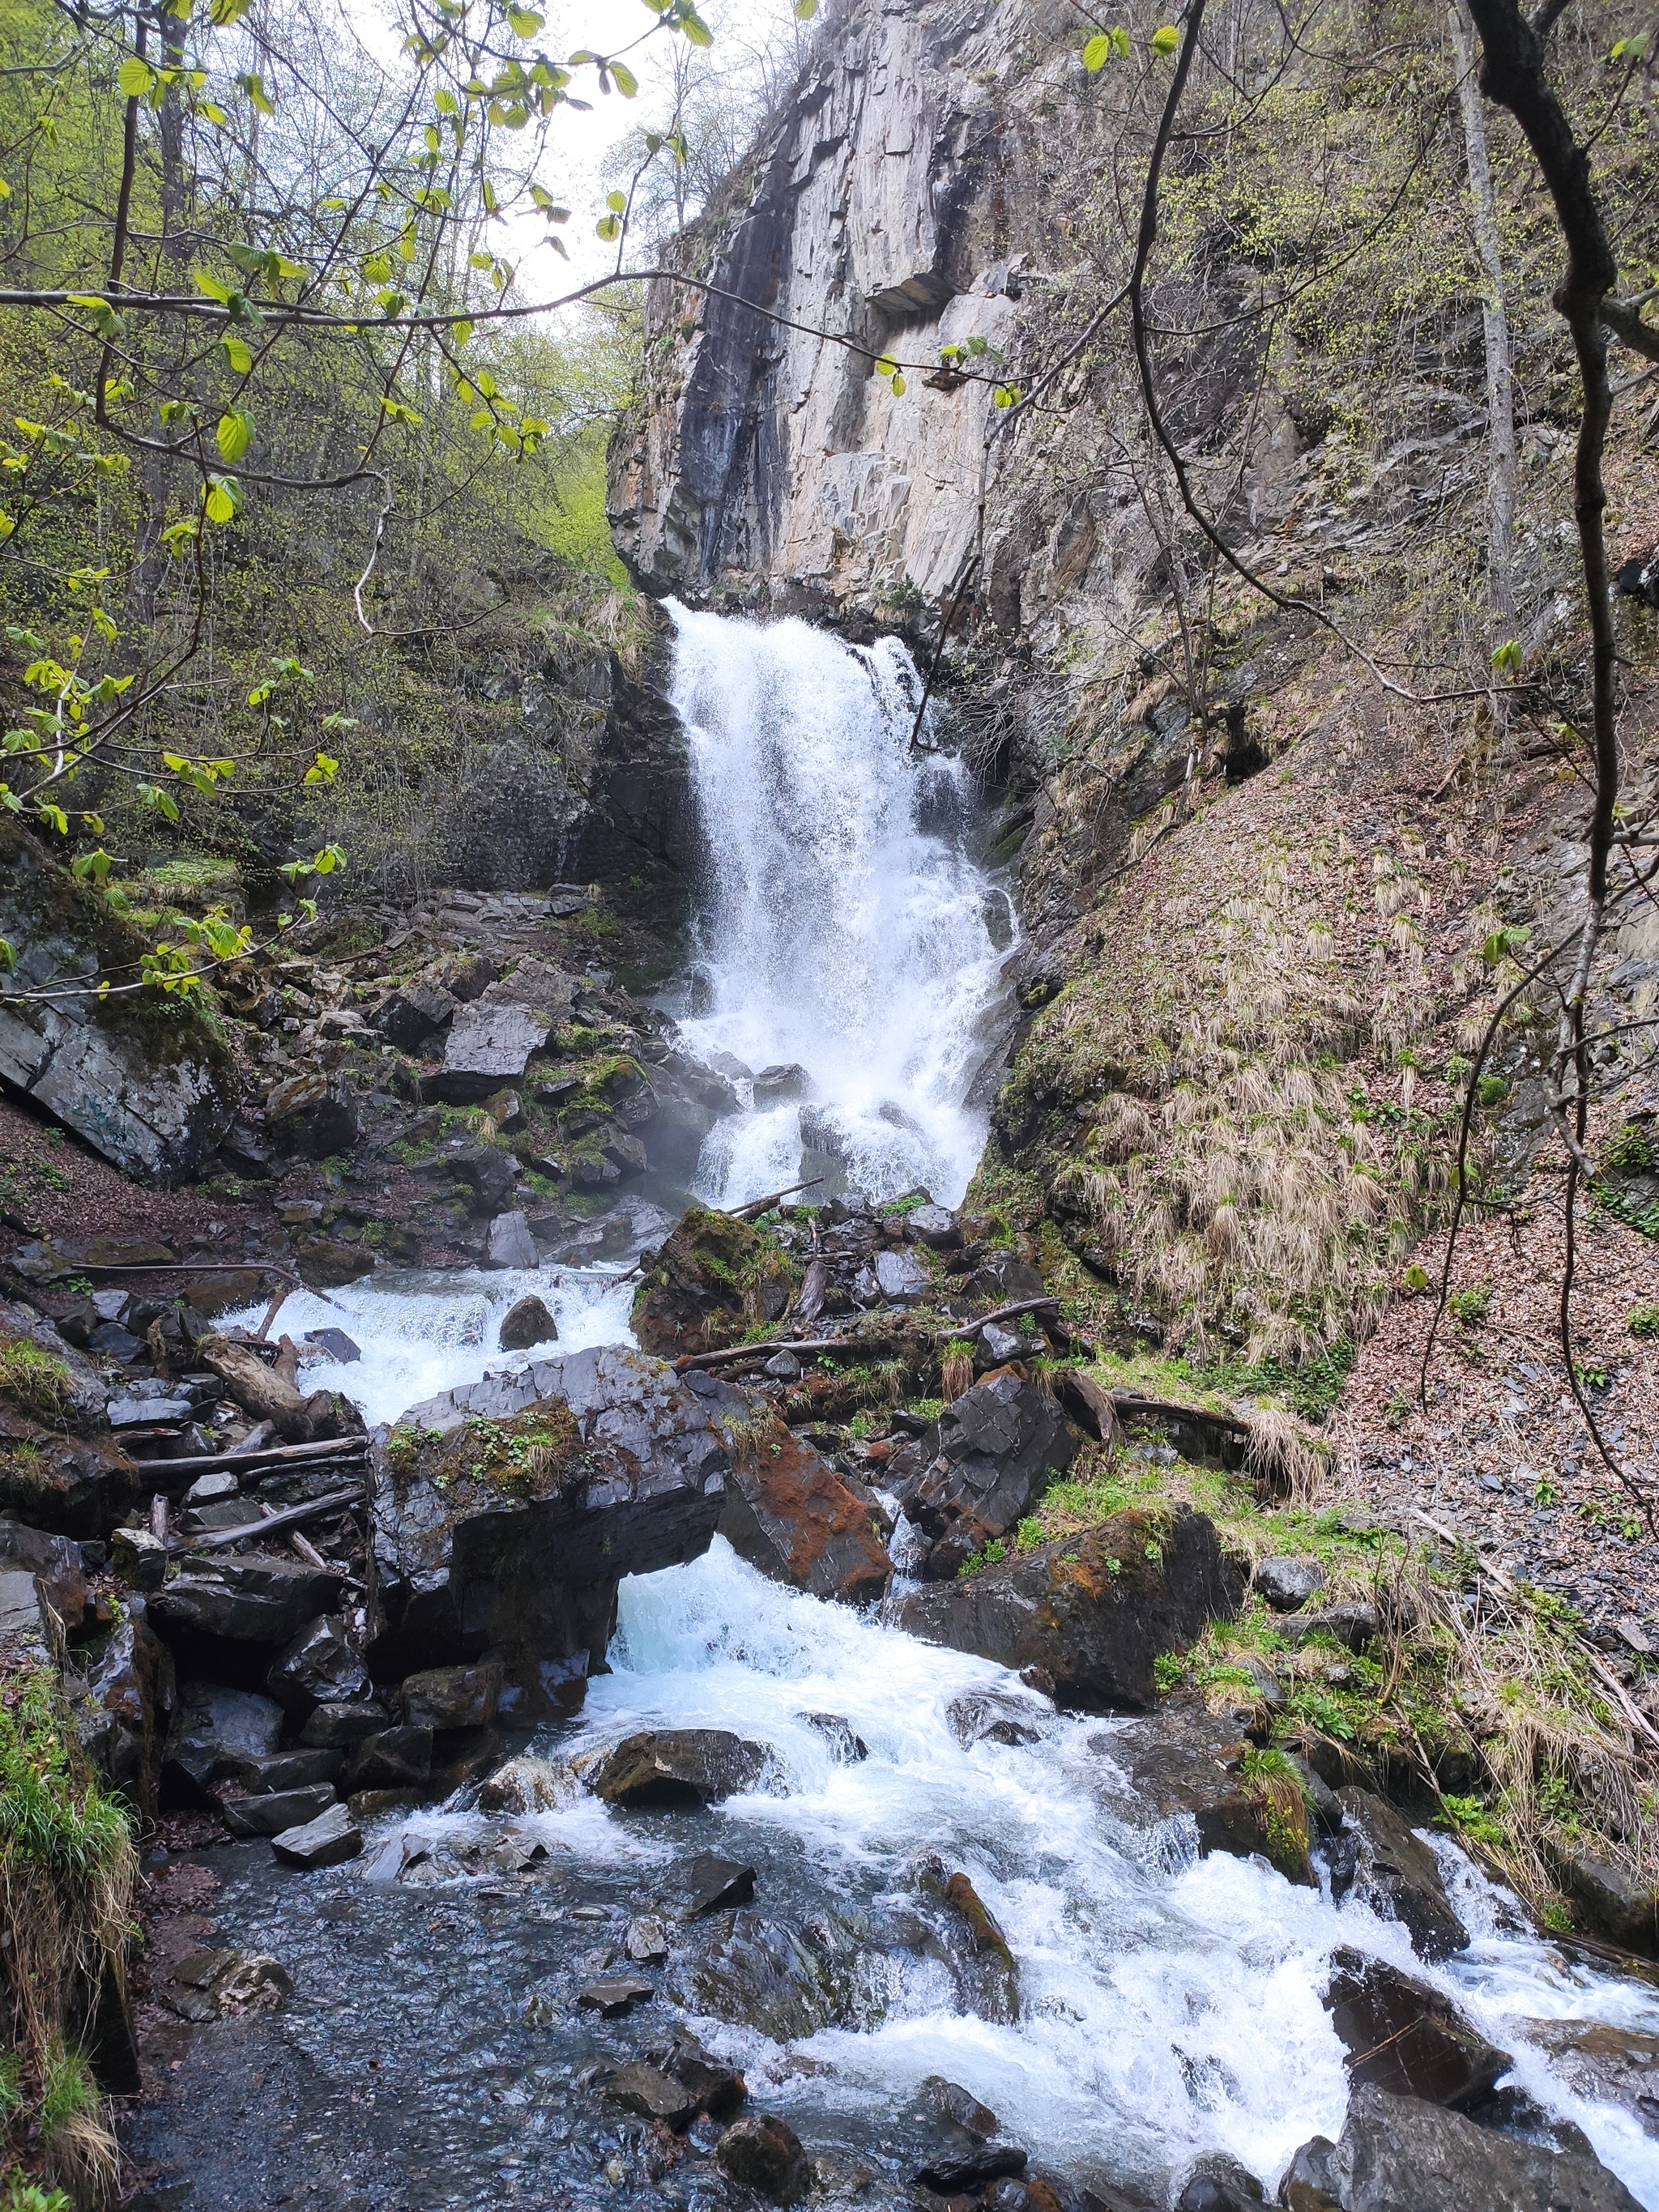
<point>988,1556</point>
<point>1592,1376</point>
<point>1468,1307</point>
<point>1471,1817</point>
<point>1028,1534</point>
<point>1168,1669</point>
<point>1643,1320</point>
<point>22,2195</point>
<point>37,1382</point>
<point>1492,1090</point>
<point>67,2091</point>
<point>1545,1492</point>
<point>1395,1412</point>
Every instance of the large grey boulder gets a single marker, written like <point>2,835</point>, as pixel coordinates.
<point>258,1599</point>
<point>122,1720</point>
<point>1398,2155</point>
<point>488,1045</point>
<point>506,1512</point>
<point>139,1075</point>
<point>1000,1444</point>
<point>1093,1610</point>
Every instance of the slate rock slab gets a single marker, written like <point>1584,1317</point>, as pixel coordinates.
<point>329,1840</point>
<point>489,1044</point>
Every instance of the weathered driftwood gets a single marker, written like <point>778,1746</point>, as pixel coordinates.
<point>290,1517</point>
<point>276,1455</point>
<point>757,1207</point>
<point>268,1393</point>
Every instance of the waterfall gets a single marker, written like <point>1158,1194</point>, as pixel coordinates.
<point>846,928</point>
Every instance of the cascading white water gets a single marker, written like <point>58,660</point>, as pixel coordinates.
<point>846,926</point>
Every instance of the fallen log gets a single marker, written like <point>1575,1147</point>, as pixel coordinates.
<point>269,1394</point>
<point>733,1352</point>
<point>274,1455</point>
<point>757,1207</point>
<point>289,1517</point>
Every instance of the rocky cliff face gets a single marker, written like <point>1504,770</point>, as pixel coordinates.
<point>766,458</point>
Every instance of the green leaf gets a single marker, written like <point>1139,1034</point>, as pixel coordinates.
<point>696,31</point>
<point>1097,51</point>
<point>897,385</point>
<point>1165,39</point>
<point>618,201</point>
<point>1005,395</point>
<point>134,78</point>
<point>8,953</point>
<point>608,227</point>
<point>526,22</point>
<point>54,816</point>
<point>805,9</point>
<point>1506,658</point>
<point>223,499</point>
<point>223,13</point>
<point>212,288</point>
<point>238,352</point>
<point>234,434</point>
<point>253,85</point>
<point>885,368</point>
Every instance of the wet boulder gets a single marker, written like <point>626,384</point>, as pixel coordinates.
<point>1093,1610</point>
<point>678,1767</point>
<point>961,2172</point>
<point>505,1513</point>
<point>1400,2154</point>
<point>287,1770</point>
<point>1606,2064</point>
<point>987,1980</point>
<point>713,1279</point>
<point>1615,1903</point>
<point>712,1884</point>
<point>337,1727</point>
<point>1220,2183</point>
<point>55,1563</point>
<point>329,1840</point>
<point>764,2154</point>
<point>321,1666</point>
<point>935,1227</point>
<point>407,1018</point>
<point>123,1717</point>
<point>271,1811</point>
<point>711,2087</point>
<point>255,1599</point>
<point>1377,1858</point>
<point>1183,1762</point>
<point>1000,1444</point>
<point>526,1323</point>
<point>510,1244</point>
<point>783,1981</point>
<point>452,1697</point>
<point>789,1513</point>
<point>1402,2035</point>
<point>45,1383</point>
<point>213,1730</point>
<point>488,1045</point>
<point>396,1759</point>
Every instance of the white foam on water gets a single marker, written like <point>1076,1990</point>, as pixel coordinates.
<point>1170,2004</point>
<point>846,928</point>
<point>421,1333</point>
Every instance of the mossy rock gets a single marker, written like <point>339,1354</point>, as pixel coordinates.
<point>715,1279</point>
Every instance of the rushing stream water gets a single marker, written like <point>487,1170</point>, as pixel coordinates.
<point>434,2055</point>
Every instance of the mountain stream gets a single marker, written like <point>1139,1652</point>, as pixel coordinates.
<point>433,2053</point>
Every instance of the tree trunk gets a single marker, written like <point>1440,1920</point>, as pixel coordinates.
<point>1500,381</point>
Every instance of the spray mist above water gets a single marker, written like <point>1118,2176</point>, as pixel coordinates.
<point>847,927</point>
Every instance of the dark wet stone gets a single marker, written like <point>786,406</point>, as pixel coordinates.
<point>336,1343</point>
<point>934,1226</point>
<point>707,1282</point>
<point>527,1323</point>
<point>1399,2155</point>
<point>845,1743</point>
<point>1617,1906</point>
<point>56,1564</point>
<point>1220,2183</point>
<point>1606,2064</point>
<point>1182,1758</point>
<point>272,1814</point>
<point>611,1999</point>
<point>995,1716</point>
<point>989,1978</point>
<point>789,1513</point>
<point>948,2100</point>
<point>765,2155</point>
<point>452,1697</point>
<point>288,1769</point>
<point>1353,1626</point>
<point>530,1570</point>
<point>396,1759</point>
<point>679,1766</point>
<point>1403,2036</point>
<point>948,2176</point>
<point>329,1840</point>
<point>251,1601</point>
<point>321,1666</point>
<point>712,1884</point>
<point>654,2096</point>
<point>337,1727</point>
<point>131,1693</point>
<point>214,1729</point>
<point>1377,1858</point>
